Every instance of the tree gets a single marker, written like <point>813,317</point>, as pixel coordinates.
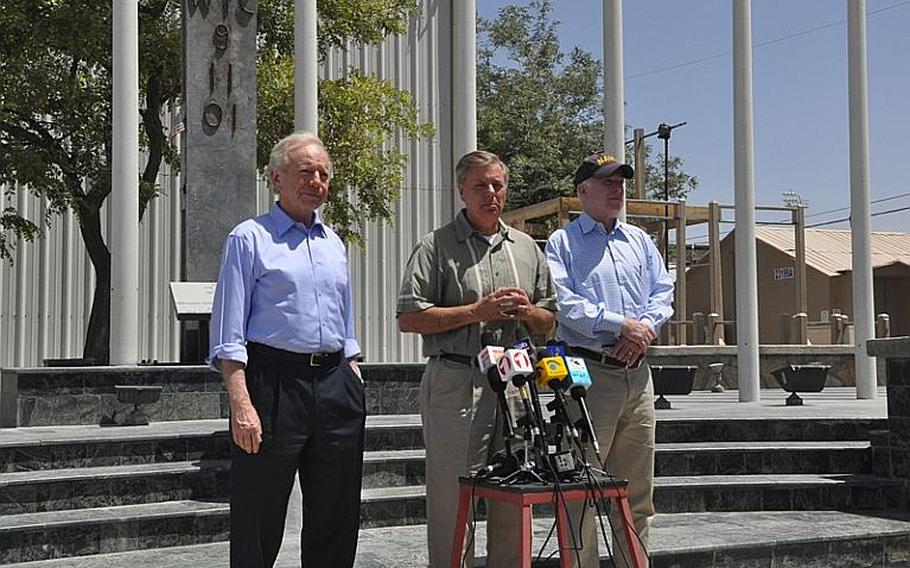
<point>679,183</point>
<point>55,113</point>
<point>539,108</point>
<point>55,119</point>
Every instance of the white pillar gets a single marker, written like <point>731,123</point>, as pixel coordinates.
<point>124,235</point>
<point>306,67</point>
<point>744,185</point>
<point>860,222</point>
<point>464,77</point>
<point>614,119</point>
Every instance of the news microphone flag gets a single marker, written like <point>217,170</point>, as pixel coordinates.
<point>578,372</point>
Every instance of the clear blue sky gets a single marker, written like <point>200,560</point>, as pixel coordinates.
<point>800,94</point>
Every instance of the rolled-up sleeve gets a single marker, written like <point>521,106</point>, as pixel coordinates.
<point>420,282</point>
<point>231,306</point>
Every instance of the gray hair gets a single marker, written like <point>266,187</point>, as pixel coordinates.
<point>477,158</point>
<point>279,156</point>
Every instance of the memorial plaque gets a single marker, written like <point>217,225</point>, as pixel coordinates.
<point>193,300</point>
<point>219,154</point>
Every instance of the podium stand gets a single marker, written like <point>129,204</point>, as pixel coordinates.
<point>528,495</point>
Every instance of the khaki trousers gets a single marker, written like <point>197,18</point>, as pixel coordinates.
<point>621,403</point>
<point>461,428</point>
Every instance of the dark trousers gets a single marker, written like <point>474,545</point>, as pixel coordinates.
<point>313,425</point>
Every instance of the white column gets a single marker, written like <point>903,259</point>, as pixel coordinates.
<point>464,78</point>
<point>306,67</point>
<point>744,186</point>
<point>860,222</point>
<point>124,236</point>
<point>614,119</point>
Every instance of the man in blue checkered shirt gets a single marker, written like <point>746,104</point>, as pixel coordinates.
<point>613,295</point>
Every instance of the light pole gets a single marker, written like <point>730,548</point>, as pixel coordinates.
<point>664,131</point>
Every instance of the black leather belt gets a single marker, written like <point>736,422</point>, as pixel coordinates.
<point>602,357</point>
<point>461,359</point>
<point>308,359</point>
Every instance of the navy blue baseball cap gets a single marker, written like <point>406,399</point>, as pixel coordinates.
<point>601,165</point>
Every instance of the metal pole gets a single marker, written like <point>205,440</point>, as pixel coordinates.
<point>802,295</point>
<point>640,166</point>
<point>614,119</point>
<point>306,67</point>
<point>464,78</point>
<point>664,223</point>
<point>860,221</point>
<point>124,236</point>
<point>681,311</point>
<point>744,182</point>
<point>716,287</point>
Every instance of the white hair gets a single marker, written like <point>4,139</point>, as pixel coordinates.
<point>280,154</point>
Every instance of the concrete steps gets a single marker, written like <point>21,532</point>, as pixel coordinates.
<point>99,530</point>
<point>813,539</point>
<point>76,490</point>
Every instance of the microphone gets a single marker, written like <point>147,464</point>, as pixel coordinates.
<point>515,366</point>
<point>551,371</point>
<point>580,382</point>
<point>487,361</point>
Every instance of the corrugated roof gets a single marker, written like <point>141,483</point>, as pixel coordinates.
<point>829,250</point>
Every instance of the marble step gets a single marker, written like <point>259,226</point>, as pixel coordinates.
<point>58,447</point>
<point>406,467</point>
<point>55,534</point>
<point>55,447</point>
<point>85,488</point>
<point>390,506</point>
<point>810,539</point>
<point>74,488</point>
<point>45,535</point>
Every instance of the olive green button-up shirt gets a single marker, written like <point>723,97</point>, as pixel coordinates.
<point>457,265</point>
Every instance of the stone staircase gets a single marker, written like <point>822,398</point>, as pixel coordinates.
<point>69,488</point>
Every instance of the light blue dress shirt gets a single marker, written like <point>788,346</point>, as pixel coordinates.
<point>603,277</point>
<point>282,285</point>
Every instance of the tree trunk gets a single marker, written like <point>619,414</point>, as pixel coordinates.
<point>98,335</point>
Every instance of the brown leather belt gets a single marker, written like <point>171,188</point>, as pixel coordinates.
<point>603,358</point>
<point>461,359</point>
<point>308,359</point>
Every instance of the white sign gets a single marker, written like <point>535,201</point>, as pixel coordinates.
<point>785,273</point>
<point>193,300</point>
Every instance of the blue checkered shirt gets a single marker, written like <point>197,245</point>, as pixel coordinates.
<point>604,277</point>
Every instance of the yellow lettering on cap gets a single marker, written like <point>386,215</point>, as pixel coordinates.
<point>604,159</point>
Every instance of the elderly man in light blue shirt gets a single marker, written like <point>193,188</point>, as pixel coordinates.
<point>613,295</point>
<point>282,335</point>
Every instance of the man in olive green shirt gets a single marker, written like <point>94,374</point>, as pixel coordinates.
<point>473,276</point>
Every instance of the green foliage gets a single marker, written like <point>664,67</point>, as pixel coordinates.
<point>55,101</point>
<point>359,115</point>
<point>541,109</point>
<point>679,183</point>
<point>340,21</point>
<point>538,108</point>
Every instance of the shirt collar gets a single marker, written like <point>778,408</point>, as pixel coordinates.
<point>464,229</point>
<point>283,222</point>
<point>589,224</point>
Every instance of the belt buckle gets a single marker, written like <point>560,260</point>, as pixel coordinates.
<point>317,359</point>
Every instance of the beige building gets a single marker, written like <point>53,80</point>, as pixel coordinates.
<point>828,280</point>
